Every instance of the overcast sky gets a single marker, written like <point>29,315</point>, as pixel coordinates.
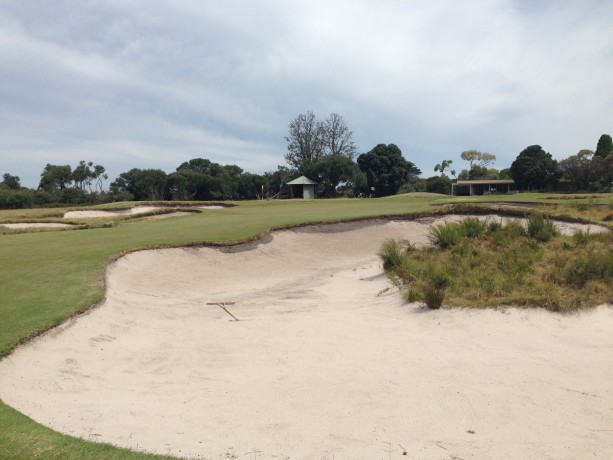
<point>151,84</point>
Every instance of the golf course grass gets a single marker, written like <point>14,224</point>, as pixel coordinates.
<point>49,276</point>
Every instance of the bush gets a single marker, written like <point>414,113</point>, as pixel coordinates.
<point>581,238</point>
<point>390,254</point>
<point>506,266</point>
<point>444,236</point>
<point>437,281</point>
<point>541,229</point>
<point>473,227</point>
<point>433,295</point>
<point>593,265</point>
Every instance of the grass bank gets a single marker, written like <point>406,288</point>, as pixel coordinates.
<point>482,264</point>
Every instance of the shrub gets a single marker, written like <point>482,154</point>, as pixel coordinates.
<point>514,229</point>
<point>580,238</point>
<point>493,227</point>
<point>390,254</point>
<point>507,266</point>
<point>433,295</point>
<point>473,227</point>
<point>592,265</point>
<point>541,229</point>
<point>436,282</point>
<point>444,236</point>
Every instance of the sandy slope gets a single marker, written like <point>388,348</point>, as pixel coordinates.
<point>325,362</point>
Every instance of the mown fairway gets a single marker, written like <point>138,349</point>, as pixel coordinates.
<point>48,276</point>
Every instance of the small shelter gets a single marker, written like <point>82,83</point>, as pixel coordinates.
<point>481,187</point>
<point>303,187</point>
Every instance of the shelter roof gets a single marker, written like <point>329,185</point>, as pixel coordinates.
<point>485,182</point>
<point>302,181</point>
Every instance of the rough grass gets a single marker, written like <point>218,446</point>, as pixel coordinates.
<point>22,438</point>
<point>488,265</point>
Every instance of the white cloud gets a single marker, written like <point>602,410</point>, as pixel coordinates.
<point>136,82</point>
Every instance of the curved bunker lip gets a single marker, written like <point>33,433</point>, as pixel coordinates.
<point>325,357</point>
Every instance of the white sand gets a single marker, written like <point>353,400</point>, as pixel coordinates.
<point>36,225</point>
<point>132,211</point>
<point>326,361</point>
<point>93,213</point>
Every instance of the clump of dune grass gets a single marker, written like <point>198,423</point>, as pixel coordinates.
<point>489,264</point>
<point>541,229</point>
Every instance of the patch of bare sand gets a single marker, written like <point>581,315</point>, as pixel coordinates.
<point>36,225</point>
<point>326,361</point>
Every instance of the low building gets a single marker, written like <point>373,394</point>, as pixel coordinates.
<point>483,186</point>
<point>303,187</point>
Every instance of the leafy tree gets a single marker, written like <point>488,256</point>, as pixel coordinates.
<point>176,185</point>
<point>578,169</point>
<point>99,175</point>
<point>442,166</point>
<point>82,174</point>
<point>142,184</point>
<point>332,170</point>
<point>305,141</point>
<point>251,186</point>
<point>414,184</point>
<point>119,190</point>
<point>478,165</point>
<point>71,195</point>
<point>11,182</point>
<point>152,182</point>
<point>602,173</point>
<point>15,199</point>
<point>438,184</point>
<point>206,180</point>
<point>55,177</point>
<point>604,147</point>
<point>478,172</point>
<point>534,168</point>
<point>474,157</point>
<point>386,169</point>
<point>504,173</point>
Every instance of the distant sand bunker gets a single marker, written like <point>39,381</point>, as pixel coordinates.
<point>129,212</point>
<point>36,225</point>
<point>326,361</point>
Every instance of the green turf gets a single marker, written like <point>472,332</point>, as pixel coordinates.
<point>46,277</point>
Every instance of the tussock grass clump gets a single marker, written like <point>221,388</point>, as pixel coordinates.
<point>541,229</point>
<point>473,227</point>
<point>492,264</point>
<point>445,236</point>
<point>391,254</point>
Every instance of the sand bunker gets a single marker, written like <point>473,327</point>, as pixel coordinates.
<point>36,225</point>
<point>129,212</point>
<point>326,361</point>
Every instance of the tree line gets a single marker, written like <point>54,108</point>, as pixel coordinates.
<point>534,169</point>
<point>322,150</point>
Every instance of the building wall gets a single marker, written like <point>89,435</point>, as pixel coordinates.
<point>309,192</point>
